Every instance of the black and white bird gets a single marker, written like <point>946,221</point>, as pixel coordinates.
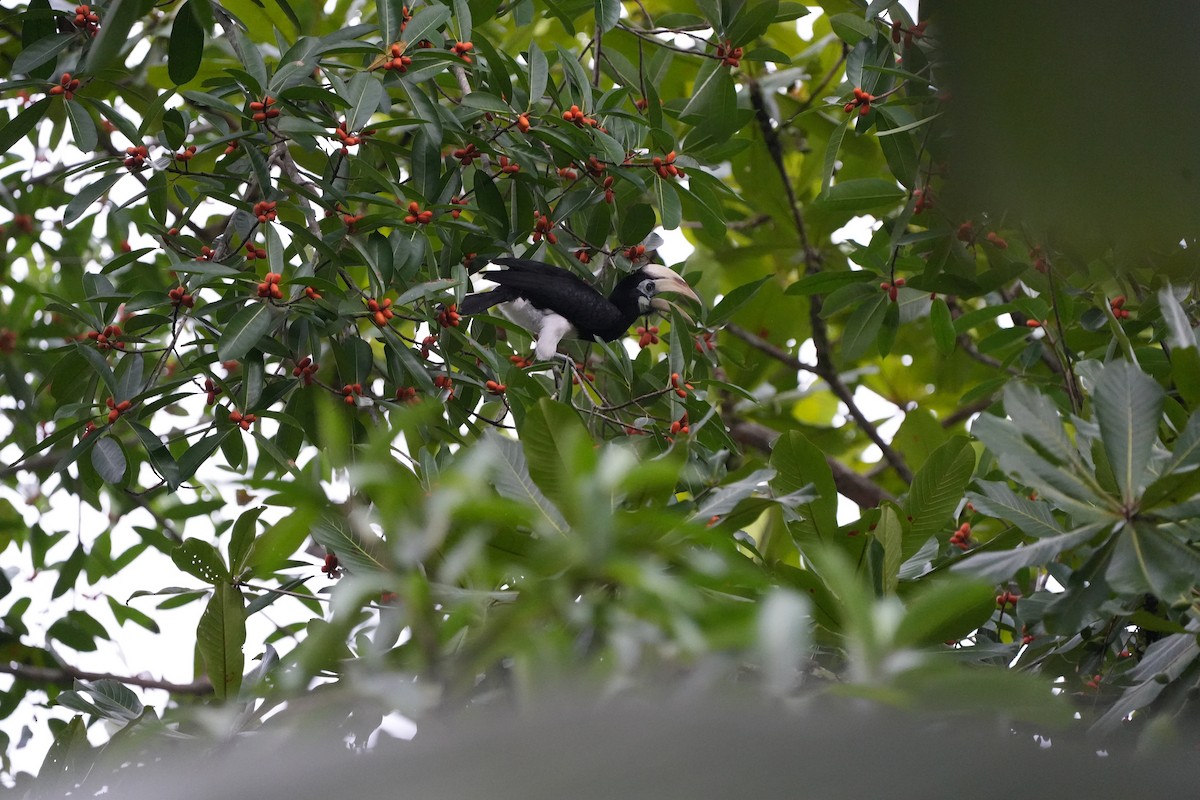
<point>554,303</point>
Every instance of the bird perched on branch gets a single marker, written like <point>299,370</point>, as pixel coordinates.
<point>554,303</point>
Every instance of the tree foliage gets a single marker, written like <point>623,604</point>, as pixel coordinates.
<point>235,263</point>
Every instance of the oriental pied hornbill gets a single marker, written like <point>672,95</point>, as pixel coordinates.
<point>554,303</point>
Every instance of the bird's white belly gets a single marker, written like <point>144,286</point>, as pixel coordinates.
<point>549,327</point>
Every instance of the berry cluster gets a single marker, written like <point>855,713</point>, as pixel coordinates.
<point>681,388</point>
<point>665,167</point>
<point>466,155</point>
<point>243,421</point>
<point>185,155</point>
<point>264,211</point>
<point>680,425</point>
<point>907,34</point>
<point>730,55</point>
<point>350,392</point>
<point>304,370</point>
<point>1117,304</point>
<point>444,382</point>
<point>449,317</point>
<point>415,214</point>
<point>568,174</point>
<point>457,201</point>
<point>426,344</point>
<point>348,139</point>
<point>117,409</point>
<point>892,289</point>
<point>508,167</point>
<point>253,252</point>
<point>647,336</point>
<point>494,387</point>
<point>521,362</point>
<point>67,86</point>
<point>107,338</point>
<point>406,394</point>
<point>924,198</point>
<point>1038,257</point>
<point>573,114</point>
<point>180,297</point>
<point>542,226</point>
<point>135,157</point>
<point>635,252</point>
<point>706,341</point>
<point>311,293</point>
<point>862,101</point>
<point>270,286</point>
<point>398,62</point>
<point>462,49</point>
<point>263,110</point>
<point>331,566</point>
<point>523,123</point>
<point>995,240</point>
<point>211,390</point>
<point>86,20</point>
<point>381,310</point>
<point>1007,598</point>
<point>961,538</point>
<point>582,255</point>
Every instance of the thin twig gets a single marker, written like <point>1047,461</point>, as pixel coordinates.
<point>762,345</point>
<point>67,675</point>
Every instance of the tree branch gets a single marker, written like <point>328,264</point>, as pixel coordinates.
<point>812,264</point>
<point>859,488</point>
<point>67,676</point>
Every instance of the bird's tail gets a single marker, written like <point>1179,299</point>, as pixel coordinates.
<point>476,303</point>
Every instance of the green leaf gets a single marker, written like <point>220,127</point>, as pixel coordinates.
<point>1178,325</point>
<point>550,434</point>
<point>946,610</point>
<point>160,457</point>
<point>943,326</point>
<point>109,460</point>
<point>40,52</point>
<point>936,491</point>
<point>119,16</point>
<point>425,22</point>
<point>511,479</point>
<point>83,127</point>
<point>1003,565</point>
<point>387,12</point>
<point>220,637</point>
<point>890,533</point>
<point>200,559</point>
<point>862,327</point>
<point>22,124</point>
<point>608,14</point>
<point>88,195</point>
<point>1151,560</point>
<point>539,71</point>
<point>244,331</point>
<point>799,463</point>
<point>364,94</point>
<point>733,301</point>
<point>1031,516</point>
<point>851,28</point>
<point>356,546</point>
<point>185,51</point>
<point>859,195</point>
<point>637,221</point>
<point>1129,406</point>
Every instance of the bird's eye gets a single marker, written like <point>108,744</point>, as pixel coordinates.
<point>647,288</point>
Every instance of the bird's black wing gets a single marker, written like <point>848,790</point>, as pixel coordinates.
<point>555,289</point>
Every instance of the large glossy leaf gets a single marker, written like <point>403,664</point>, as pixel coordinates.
<point>799,463</point>
<point>1129,406</point>
<point>244,330</point>
<point>186,49</point>
<point>936,491</point>
<point>551,434</point>
<point>220,637</point>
